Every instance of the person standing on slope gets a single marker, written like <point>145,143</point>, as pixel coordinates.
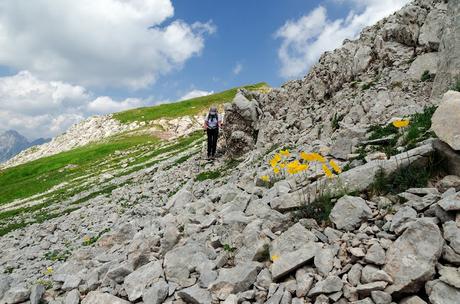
<point>212,123</point>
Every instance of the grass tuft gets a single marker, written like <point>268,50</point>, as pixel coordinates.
<point>207,175</point>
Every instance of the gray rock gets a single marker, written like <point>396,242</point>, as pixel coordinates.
<point>195,295</point>
<point>330,284</point>
<point>264,278</point>
<point>366,289</point>
<point>16,294</point>
<point>181,260</point>
<point>136,281</point>
<point>401,218</point>
<point>412,300</point>
<point>156,294</point>
<point>450,275</point>
<point>452,235</point>
<point>290,261</point>
<point>119,272</point>
<point>332,234</point>
<point>73,297</point>
<point>441,293</point>
<point>324,260</point>
<point>446,120</point>
<point>364,301</point>
<point>450,203</point>
<point>411,259</point>
<point>5,282</point>
<point>372,274</point>
<point>231,299</point>
<point>450,255</point>
<point>36,293</point>
<point>290,240</point>
<point>71,282</point>
<point>304,282</point>
<point>380,297</point>
<point>375,255</point>
<point>449,181</point>
<point>349,212</point>
<point>425,62</point>
<point>236,279</point>
<point>354,275</point>
<point>96,297</point>
<point>322,299</point>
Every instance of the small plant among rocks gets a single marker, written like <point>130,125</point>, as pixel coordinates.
<point>57,255</point>
<point>207,175</point>
<point>228,248</point>
<point>427,76</point>
<point>88,241</point>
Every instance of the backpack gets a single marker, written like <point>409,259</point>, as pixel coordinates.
<point>212,121</point>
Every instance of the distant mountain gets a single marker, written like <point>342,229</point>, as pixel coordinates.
<point>12,142</point>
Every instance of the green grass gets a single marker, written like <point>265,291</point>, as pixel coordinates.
<point>318,209</point>
<point>419,127</point>
<point>208,175</point>
<point>427,76</point>
<point>182,108</point>
<point>40,175</point>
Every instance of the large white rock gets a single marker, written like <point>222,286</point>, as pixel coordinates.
<point>411,259</point>
<point>446,120</point>
<point>425,62</point>
<point>441,293</point>
<point>136,281</point>
<point>349,212</point>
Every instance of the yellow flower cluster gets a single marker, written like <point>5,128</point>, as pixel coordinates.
<point>402,123</point>
<point>300,165</point>
<point>49,270</point>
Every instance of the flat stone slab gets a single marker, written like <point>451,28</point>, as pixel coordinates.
<point>290,261</point>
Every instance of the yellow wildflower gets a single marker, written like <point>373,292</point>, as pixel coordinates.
<point>49,270</point>
<point>265,178</point>
<point>86,238</point>
<point>293,167</point>
<point>276,170</point>
<point>285,152</point>
<point>282,165</point>
<point>402,123</point>
<point>312,157</point>
<point>327,171</point>
<point>275,160</point>
<point>307,156</point>
<point>302,167</point>
<point>336,167</point>
<point>275,257</point>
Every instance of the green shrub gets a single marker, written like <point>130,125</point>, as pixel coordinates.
<point>335,120</point>
<point>418,129</point>
<point>207,175</point>
<point>56,255</point>
<point>426,76</point>
<point>318,209</point>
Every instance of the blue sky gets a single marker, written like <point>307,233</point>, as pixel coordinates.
<point>63,61</point>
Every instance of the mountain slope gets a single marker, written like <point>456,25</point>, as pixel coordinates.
<point>360,210</point>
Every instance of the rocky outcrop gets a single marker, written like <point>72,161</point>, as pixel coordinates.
<point>240,125</point>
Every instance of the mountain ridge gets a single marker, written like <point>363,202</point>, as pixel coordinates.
<point>12,143</point>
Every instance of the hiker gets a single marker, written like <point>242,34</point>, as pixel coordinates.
<point>212,123</point>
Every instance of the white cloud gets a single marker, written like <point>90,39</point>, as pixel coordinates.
<point>195,94</point>
<point>237,69</point>
<point>97,43</point>
<point>106,105</point>
<point>305,39</point>
<point>38,108</point>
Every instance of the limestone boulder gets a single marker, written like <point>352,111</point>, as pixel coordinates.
<point>446,120</point>
<point>349,212</point>
<point>411,259</point>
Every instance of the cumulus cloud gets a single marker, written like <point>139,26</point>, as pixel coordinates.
<point>38,108</point>
<point>305,39</point>
<point>237,69</point>
<point>97,43</point>
<point>195,94</point>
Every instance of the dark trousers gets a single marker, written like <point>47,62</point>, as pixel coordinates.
<point>212,141</point>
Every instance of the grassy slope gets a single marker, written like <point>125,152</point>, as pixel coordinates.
<point>187,107</point>
<point>40,175</point>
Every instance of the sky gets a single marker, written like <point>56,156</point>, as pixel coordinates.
<point>62,61</point>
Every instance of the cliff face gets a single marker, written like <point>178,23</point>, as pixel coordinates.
<point>367,81</point>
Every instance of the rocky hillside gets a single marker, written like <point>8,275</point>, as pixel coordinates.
<point>342,187</point>
<point>12,143</point>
